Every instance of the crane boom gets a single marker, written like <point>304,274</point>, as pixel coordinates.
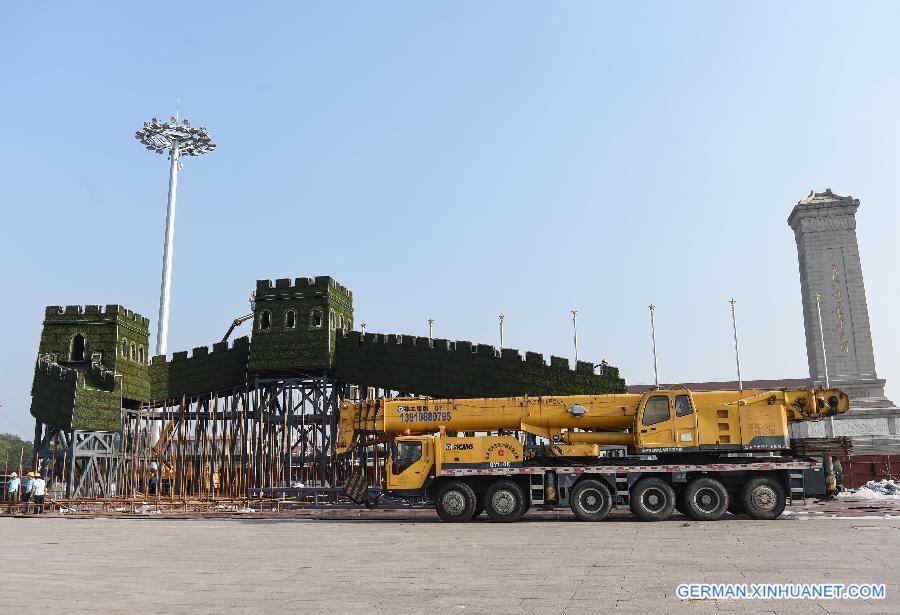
<point>597,419</point>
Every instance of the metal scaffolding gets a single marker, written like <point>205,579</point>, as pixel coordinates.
<point>272,438</point>
<point>86,463</point>
<point>277,432</point>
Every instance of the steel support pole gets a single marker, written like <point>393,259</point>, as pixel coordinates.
<point>737,352</point>
<point>575,334</point>
<point>653,337</point>
<point>829,430</point>
<point>165,291</point>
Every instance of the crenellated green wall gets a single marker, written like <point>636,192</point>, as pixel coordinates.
<point>443,368</point>
<point>220,370</point>
<point>90,394</point>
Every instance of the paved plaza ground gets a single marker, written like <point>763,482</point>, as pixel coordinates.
<point>410,562</point>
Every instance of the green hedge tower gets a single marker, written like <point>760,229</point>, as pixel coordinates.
<point>295,323</point>
<point>92,361</point>
<point>74,334</point>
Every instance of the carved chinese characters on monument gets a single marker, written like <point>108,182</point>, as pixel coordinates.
<point>839,329</point>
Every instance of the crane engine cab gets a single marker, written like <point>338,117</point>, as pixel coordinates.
<point>671,422</point>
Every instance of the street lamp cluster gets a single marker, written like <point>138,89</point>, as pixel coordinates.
<point>160,136</point>
<point>179,138</point>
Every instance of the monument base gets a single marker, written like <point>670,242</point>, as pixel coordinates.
<point>872,424</point>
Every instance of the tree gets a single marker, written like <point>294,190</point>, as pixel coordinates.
<point>12,449</point>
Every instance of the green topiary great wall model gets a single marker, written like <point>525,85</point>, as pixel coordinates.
<point>93,361</point>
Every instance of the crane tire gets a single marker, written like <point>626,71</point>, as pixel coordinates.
<point>763,498</point>
<point>705,499</point>
<point>652,499</point>
<point>590,500</point>
<point>504,501</point>
<point>455,502</point>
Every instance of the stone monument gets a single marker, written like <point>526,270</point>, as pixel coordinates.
<point>831,283</point>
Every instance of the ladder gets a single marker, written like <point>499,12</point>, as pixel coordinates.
<point>621,496</point>
<point>536,483</point>
<point>798,491</point>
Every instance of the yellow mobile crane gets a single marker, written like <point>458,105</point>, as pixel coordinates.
<point>165,471</point>
<point>702,453</point>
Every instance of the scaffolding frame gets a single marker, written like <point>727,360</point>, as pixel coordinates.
<point>274,437</point>
<point>87,462</point>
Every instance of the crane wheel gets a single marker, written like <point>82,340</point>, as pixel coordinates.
<point>705,499</point>
<point>591,500</point>
<point>455,502</point>
<point>504,501</point>
<point>652,499</point>
<point>763,498</point>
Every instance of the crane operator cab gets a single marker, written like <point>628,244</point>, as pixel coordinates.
<point>415,461</point>
<point>410,463</point>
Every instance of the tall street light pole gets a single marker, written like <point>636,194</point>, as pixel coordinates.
<point>179,139</point>
<point>830,424</point>
<point>737,352</point>
<point>502,316</point>
<point>165,291</point>
<point>822,338</point>
<point>575,333</point>
<point>653,337</point>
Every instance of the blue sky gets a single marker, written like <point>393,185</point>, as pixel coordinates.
<point>453,161</point>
